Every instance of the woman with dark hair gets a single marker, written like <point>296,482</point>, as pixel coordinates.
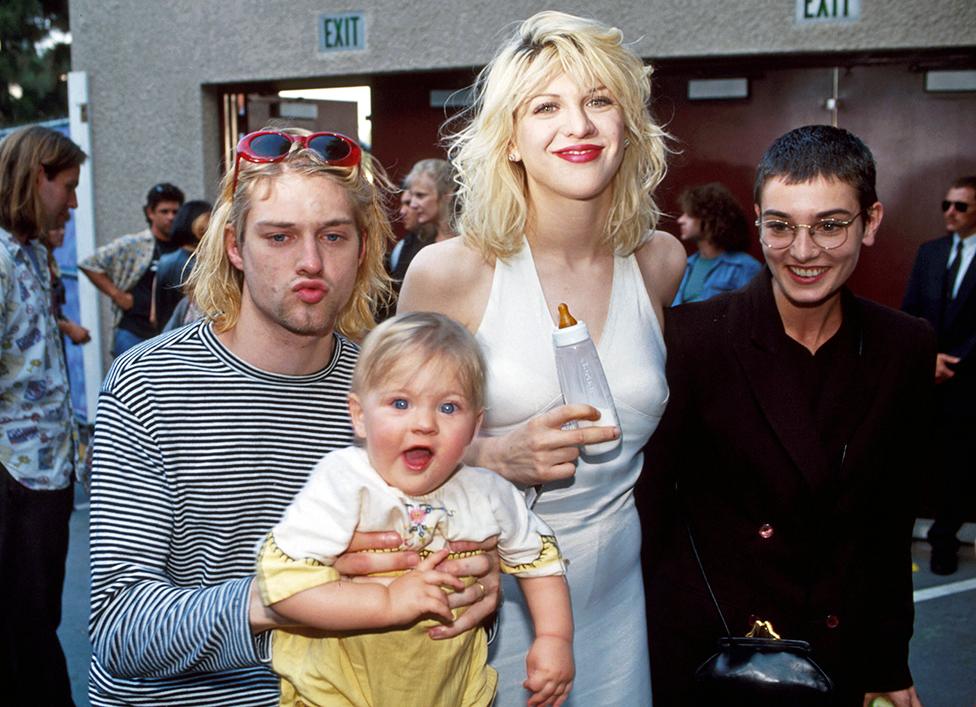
<point>712,219</point>
<point>188,228</point>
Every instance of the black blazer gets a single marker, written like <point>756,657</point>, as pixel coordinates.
<point>955,329</point>
<point>820,546</point>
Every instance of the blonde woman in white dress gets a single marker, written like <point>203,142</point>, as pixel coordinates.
<point>557,169</point>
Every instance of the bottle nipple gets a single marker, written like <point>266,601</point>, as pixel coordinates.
<point>565,318</point>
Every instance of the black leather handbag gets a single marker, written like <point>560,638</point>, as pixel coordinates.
<point>759,669</point>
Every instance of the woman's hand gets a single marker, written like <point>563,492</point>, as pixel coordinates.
<point>899,698</point>
<point>540,451</point>
<point>482,596</point>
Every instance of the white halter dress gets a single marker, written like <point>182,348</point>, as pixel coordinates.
<point>592,514</point>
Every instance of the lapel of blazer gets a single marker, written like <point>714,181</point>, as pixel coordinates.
<point>937,266</point>
<point>773,382</point>
<point>855,390</point>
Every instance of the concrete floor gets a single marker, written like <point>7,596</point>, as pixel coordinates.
<point>943,651</point>
<point>74,605</point>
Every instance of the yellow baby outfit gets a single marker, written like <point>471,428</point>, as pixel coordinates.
<point>402,667</point>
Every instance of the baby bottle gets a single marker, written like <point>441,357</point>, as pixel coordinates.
<point>581,377</point>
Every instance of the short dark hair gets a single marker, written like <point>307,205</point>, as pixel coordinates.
<point>812,151</point>
<point>163,192</point>
<point>723,222</point>
<point>965,183</point>
<point>182,231</point>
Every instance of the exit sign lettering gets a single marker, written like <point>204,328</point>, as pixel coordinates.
<point>342,32</point>
<point>827,11</point>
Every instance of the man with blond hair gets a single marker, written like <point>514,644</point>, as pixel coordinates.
<point>204,435</point>
<point>39,171</point>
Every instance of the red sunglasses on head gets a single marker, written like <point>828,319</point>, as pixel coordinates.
<point>265,146</point>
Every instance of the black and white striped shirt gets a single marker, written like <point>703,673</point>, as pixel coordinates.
<point>196,456</point>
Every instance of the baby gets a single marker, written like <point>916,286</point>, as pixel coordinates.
<point>416,401</point>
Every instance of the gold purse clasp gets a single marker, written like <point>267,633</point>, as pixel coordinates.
<point>763,629</point>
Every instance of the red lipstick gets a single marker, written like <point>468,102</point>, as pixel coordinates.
<point>579,153</point>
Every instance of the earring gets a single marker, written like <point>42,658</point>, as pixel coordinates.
<point>626,142</point>
<point>512,157</point>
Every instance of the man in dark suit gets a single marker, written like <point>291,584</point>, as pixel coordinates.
<point>942,289</point>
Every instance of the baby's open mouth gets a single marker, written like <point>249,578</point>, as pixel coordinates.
<point>417,458</point>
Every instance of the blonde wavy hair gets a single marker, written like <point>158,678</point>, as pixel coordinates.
<point>492,189</point>
<point>215,285</point>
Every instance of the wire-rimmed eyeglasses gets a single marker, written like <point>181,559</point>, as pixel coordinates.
<point>826,234</point>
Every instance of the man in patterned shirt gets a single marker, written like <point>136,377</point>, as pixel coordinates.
<point>124,269</point>
<point>39,171</point>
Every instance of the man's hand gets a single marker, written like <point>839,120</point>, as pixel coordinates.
<point>123,300</point>
<point>102,282</point>
<point>355,563</point>
<point>943,371</point>
<point>481,597</point>
<point>899,698</point>
<point>418,593</point>
<point>75,332</point>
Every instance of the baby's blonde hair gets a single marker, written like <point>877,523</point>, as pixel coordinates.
<point>492,189</point>
<point>435,338</point>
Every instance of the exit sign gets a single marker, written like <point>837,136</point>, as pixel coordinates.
<point>343,32</point>
<point>827,11</point>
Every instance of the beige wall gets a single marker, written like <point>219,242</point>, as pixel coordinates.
<point>149,63</point>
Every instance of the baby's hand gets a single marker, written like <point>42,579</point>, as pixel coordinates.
<point>418,592</point>
<point>551,671</point>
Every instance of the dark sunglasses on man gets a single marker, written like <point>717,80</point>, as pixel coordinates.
<point>960,206</point>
